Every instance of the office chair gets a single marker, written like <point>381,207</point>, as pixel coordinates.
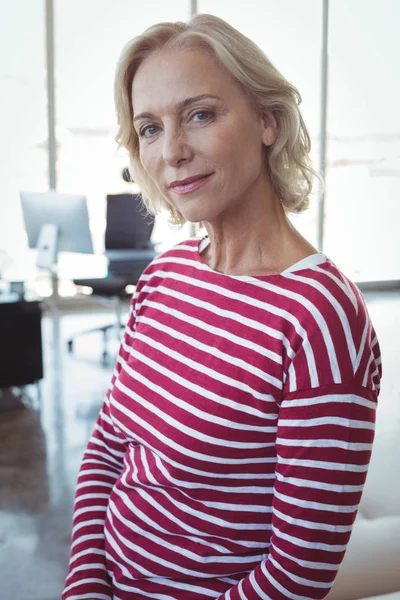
<point>129,250</point>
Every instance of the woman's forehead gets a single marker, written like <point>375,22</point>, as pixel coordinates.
<point>172,76</point>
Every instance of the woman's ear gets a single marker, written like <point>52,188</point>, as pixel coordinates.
<point>269,128</point>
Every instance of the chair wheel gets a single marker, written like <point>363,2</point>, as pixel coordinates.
<point>70,345</point>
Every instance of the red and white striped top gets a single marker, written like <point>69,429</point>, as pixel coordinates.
<point>230,455</point>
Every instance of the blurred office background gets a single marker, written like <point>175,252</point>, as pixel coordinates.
<point>360,221</point>
<point>362,207</point>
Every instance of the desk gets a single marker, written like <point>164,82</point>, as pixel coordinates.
<point>21,359</point>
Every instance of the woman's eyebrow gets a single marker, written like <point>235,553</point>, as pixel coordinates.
<point>193,99</point>
<point>179,105</point>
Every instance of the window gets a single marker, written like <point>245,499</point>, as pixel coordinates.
<point>89,38</point>
<point>23,119</point>
<point>363,159</point>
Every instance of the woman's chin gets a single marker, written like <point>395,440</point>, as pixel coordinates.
<point>196,217</point>
<point>194,212</point>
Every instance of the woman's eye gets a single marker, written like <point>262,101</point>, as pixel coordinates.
<point>202,115</point>
<point>148,131</point>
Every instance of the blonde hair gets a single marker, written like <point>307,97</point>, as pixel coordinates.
<point>287,160</point>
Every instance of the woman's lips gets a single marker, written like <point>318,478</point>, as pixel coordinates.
<point>186,188</point>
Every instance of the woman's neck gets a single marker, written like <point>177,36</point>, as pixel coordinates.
<point>255,242</point>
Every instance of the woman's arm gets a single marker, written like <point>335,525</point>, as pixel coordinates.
<point>101,466</point>
<point>324,443</point>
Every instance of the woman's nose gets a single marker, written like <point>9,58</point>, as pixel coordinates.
<point>176,147</point>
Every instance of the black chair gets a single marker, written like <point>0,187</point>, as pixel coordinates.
<point>129,250</point>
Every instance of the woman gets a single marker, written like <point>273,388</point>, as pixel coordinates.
<point>230,454</point>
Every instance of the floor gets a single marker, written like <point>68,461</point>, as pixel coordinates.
<point>42,441</point>
<point>41,445</point>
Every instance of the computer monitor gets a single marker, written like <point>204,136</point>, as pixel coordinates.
<point>56,222</point>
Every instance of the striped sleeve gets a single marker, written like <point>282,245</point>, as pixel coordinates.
<point>324,444</point>
<point>101,466</point>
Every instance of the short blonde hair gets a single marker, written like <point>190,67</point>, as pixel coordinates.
<point>287,160</point>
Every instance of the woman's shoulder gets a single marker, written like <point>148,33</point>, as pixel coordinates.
<point>338,335</point>
<point>333,304</point>
<point>318,281</point>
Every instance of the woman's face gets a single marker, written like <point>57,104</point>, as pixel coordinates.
<point>200,139</point>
